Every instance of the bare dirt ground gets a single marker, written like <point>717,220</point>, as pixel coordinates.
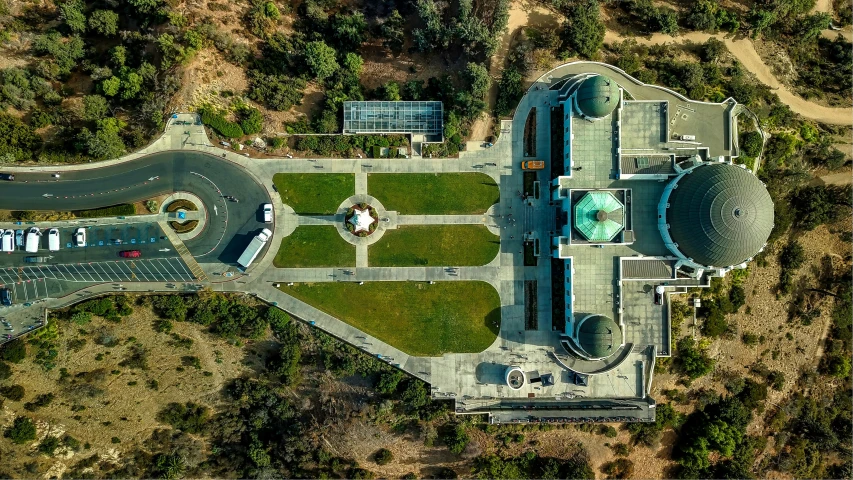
<point>127,407</point>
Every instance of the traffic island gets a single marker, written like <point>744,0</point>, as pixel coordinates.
<point>186,214</point>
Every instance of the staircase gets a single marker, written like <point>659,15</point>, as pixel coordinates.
<point>185,254</point>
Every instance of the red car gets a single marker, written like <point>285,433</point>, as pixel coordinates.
<point>130,253</point>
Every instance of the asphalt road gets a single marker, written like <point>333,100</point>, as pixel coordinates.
<point>231,224</point>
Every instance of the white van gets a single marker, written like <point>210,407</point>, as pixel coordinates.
<point>31,244</point>
<point>8,242</point>
<point>688,138</point>
<point>53,240</point>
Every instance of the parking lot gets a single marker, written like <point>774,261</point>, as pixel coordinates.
<point>103,242</point>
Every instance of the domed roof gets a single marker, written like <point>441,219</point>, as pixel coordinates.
<point>720,215</point>
<point>599,336</point>
<point>597,96</point>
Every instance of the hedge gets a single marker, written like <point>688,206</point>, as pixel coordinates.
<point>343,144</point>
<point>216,121</point>
<point>113,211</point>
<point>181,203</point>
<point>184,227</point>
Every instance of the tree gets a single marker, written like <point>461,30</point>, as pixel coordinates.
<point>702,15</point>
<point>810,27</point>
<point>118,55</point>
<point>95,107</point>
<point>390,91</point>
<point>353,64</point>
<point>393,33</point>
<point>456,439</point>
<point>71,12</point>
<point>5,371</point>
<point>23,430</point>
<point>478,80</point>
<point>105,142</point>
<point>111,86</point>
<point>275,91</point>
<point>584,30</point>
<point>383,456</point>
<point>667,21</point>
<point>17,140</point>
<point>65,53</point>
<point>189,417</point>
<point>131,85</point>
<point>12,392</point>
<point>104,22</point>
<point>145,6</point>
<point>510,92</point>
<point>692,360</point>
<point>348,31</point>
<point>172,307</point>
<point>388,382</point>
<point>251,120</point>
<point>320,59</point>
<point>751,143</point>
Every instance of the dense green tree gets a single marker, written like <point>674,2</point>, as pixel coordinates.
<point>456,439</point>
<point>277,92</point>
<point>751,143</point>
<point>189,417</point>
<point>171,306</point>
<point>23,430</point>
<point>71,12</point>
<point>388,382</point>
<point>131,85</point>
<point>320,59</point>
<point>390,91</point>
<point>383,456</point>
<point>65,53</point>
<point>13,392</point>
<point>478,80</point>
<point>104,22</point>
<point>353,63</point>
<point>95,107</point>
<point>111,86</point>
<point>691,359</point>
<point>810,27</point>
<point>702,15</point>
<point>17,140</point>
<point>393,32</point>
<point>106,142</point>
<point>5,371</point>
<point>667,21</point>
<point>434,35</point>
<point>251,120</point>
<point>584,30</point>
<point>348,31</point>
<point>118,55</point>
<point>145,6</point>
<point>510,92</point>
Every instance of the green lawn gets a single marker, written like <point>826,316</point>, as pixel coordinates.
<point>434,245</point>
<point>418,318</point>
<point>314,193</point>
<point>314,246</point>
<point>434,194</point>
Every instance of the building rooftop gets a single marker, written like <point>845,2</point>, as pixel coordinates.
<point>720,215</point>
<point>598,96</point>
<point>599,216</point>
<point>599,336</point>
<point>423,118</point>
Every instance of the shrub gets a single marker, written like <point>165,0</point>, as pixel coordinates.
<point>216,121</point>
<point>14,351</point>
<point>251,120</point>
<point>49,445</point>
<point>189,417</point>
<point>12,392</point>
<point>383,456</point>
<point>692,360</point>
<point>619,468</point>
<point>113,211</point>
<point>510,92</point>
<point>456,439</point>
<point>23,430</point>
<point>5,371</point>
<point>42,400</point>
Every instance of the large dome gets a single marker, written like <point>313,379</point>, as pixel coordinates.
<point>720,215</point>
<point>597,96</point>
<point>599,336</point>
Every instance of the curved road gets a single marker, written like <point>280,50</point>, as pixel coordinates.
<point>231,224</point>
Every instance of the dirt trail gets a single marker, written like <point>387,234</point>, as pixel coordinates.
<point>826,6</point>
<point>744,51</point>
<point>520,14</point>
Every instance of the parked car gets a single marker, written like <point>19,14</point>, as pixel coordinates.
<point>80,237</point>
<point>19,238</point>
<point>130,253</point>
<point>7,176</point>
<point>6,296</point>
<point>267,208</point>
<point>53,240</point>
<point>7,244</point>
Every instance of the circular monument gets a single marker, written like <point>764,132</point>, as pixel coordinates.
<point>361,220</point>
<point>515,378</point>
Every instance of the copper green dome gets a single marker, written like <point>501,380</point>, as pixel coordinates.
<point>599,336</point>
<point>720,215</point>
<point>598,96</point>
<point>599,216</point>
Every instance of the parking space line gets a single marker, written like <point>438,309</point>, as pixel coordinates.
<point>159,275</point>
<point>44,274</point>
<point>118,277</point>
<point>145,264</point>
<point>99,265</point>
<point>181,263</point>
<point>36,288</point>
<point>82,278</point>
<point>167,270</point>
<point>24,271</point>
<point>171,269</point>
<point>69,273</point>
<point>89,268</point>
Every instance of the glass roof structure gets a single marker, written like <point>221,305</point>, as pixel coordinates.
<point>599,216</point>
<point>425,118</point>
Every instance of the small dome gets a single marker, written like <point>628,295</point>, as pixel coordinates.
<point>599,336</point>
<point>598,96</point>
<point>720,215</point>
